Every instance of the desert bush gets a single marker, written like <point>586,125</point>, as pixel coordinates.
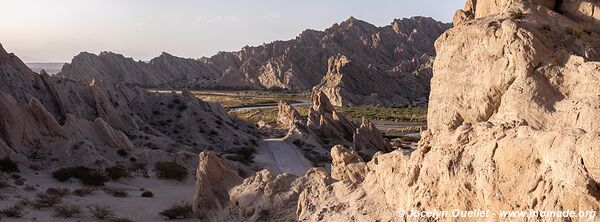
<point>83,192</point>
<point>47,200</point>
<point>62,174</point>
<point>85,175</point>
<point>171,170</point>
<point>16,211</point>
<point>7,165</point>
<point>116,172</point>
<point>67,210</point>
<point>61,192</point>
<point>123,153</point>
<point>101,211</point>
<point>182,107</point>
<point>147,194</point>
<point>119,193</point>
<point>179,210</point>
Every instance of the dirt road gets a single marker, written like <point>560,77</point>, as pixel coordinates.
<point>282,157</point>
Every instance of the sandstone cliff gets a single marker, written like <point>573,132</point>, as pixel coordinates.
<point>511,125</point>
<point>297,64</point>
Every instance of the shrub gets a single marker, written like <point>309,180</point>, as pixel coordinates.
<point>62,174</point>
<point>44,200</point>
<point>119,193</point>
<point>85,175</point>
<point>67,210</point>
<point>116,172</point>
<point>171,170</point>
<point>13,211</point>
<point>101,211</point>
<point>61,192</point>
<point>180,210</point>
<point>51,197</point>
<point>147,194</point>
<point>122,153</point>
<point>7,165</point>
<point>182,107</point>
<point>83,192</point>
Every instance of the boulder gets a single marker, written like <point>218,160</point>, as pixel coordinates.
<point>214,179</point>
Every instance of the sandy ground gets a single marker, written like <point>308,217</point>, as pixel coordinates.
<point>277,155</point>
<point>134,207</point>
<point>282,157</point>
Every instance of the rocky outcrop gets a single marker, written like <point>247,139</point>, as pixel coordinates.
<point>347,165</point>
<point>326,121</point>
<point>214,178</point>
<point>221,195</point>
<point>367,136</point>
<point>111,68</point>
<point>265,197</point>
<point>511,127</point>
<point>544,76</point>
<point>287,116</point>
<point>350,83</point>
<point>13,61</point>
<point>55,122</point>
<point>297,64</point>
<point>325,127</point>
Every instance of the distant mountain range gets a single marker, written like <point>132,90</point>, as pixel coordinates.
<point>394,52</point>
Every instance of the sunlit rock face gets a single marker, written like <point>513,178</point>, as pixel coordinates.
<point>297,64</point>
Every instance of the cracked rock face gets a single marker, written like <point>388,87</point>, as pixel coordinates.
<point>538,67</point>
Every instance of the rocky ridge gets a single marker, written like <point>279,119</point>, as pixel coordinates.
<point>511,125</point>
<point>401,49</point>
<point>50,122</point>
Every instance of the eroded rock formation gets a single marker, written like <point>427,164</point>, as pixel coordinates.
<point>511,125</point>
<point>325,127</point>
<point>297,64</point>
<point>54,122</point>
<point>350,83</point>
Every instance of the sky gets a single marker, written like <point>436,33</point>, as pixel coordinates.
<point>57,30</point>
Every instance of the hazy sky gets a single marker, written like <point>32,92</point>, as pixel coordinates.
<point>56,30</point>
